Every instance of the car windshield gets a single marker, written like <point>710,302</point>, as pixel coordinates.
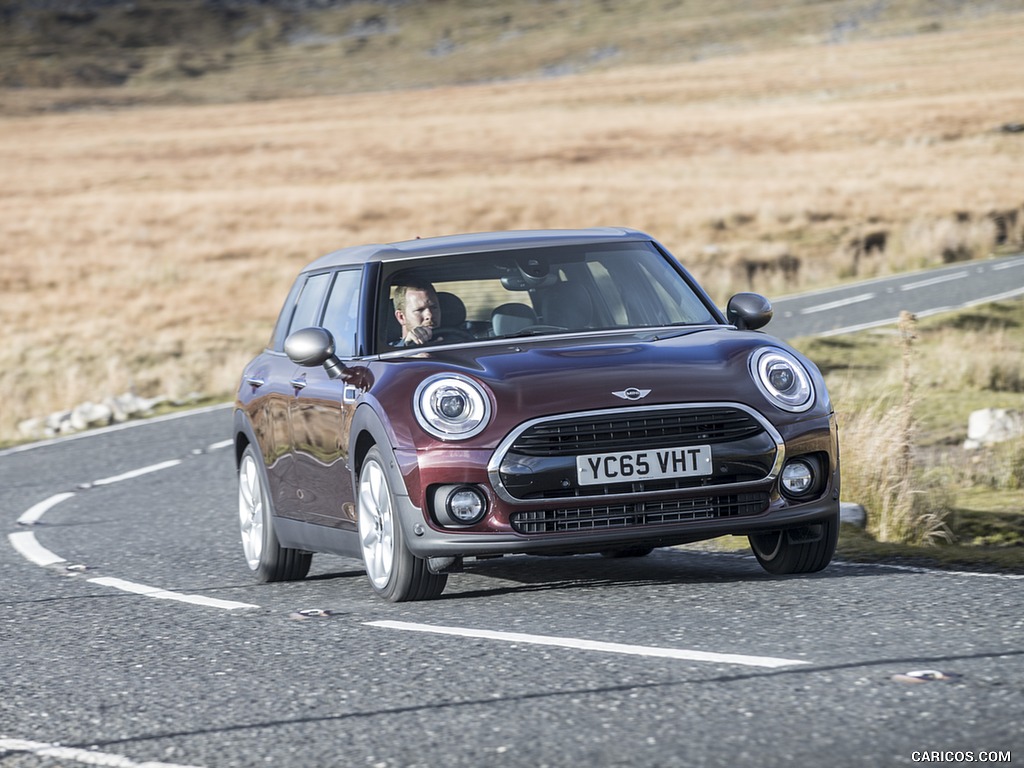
<point>537,291</point>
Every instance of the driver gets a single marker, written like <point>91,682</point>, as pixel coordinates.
<point>417,311</point>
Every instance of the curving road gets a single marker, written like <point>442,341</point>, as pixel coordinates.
<point>131,634</point>
<point>872,303</point>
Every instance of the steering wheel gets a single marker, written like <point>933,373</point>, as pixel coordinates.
<point>446,333</point>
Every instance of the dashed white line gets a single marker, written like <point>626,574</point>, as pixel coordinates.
<point>137,472</point>
<point>31,516</point>
<point>838,303</point>
<point>85,756</point>
<point>26,545</point>
<point>933,281</point>
<point>164,594</point>
<point>592,645</point>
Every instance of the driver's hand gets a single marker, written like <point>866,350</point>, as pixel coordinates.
<point>419,335</point>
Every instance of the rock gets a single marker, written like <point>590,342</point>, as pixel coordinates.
<point>33,429</point>
<point>852,514</point>
<point>89,415</point>
<point>118,414</point>
<point>993,425</point>
<point>55,422</point>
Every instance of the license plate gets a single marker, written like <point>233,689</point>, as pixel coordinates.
<point>653,464</point>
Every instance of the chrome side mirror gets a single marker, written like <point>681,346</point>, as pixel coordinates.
<point>311,347</point>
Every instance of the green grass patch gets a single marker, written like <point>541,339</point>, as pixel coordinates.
<point>952,365</point>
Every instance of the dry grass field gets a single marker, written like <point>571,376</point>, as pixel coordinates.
<point>149,249</point>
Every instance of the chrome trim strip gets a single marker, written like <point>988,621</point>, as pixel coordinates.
<point>503,447</point>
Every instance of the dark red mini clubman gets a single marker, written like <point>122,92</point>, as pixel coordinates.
<point>549,392</point>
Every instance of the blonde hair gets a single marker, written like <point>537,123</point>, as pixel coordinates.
<point>400,291</point>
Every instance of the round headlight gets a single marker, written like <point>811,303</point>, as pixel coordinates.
<point>782,377</point>
<point>452,407</point>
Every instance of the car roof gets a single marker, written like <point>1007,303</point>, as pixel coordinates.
<point>473,243</point>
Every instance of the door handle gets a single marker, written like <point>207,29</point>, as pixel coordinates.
<point>255,382</point>
<point>299,383</point>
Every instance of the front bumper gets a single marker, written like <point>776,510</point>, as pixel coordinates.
<point>616,519</point>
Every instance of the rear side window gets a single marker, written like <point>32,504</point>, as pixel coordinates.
<point>307,308</point>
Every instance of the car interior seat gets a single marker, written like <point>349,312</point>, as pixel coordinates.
<point>453,310</point>
<point>511,318</point>
<point>567,305</point>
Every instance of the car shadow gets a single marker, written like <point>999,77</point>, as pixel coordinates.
<point>530,573</point>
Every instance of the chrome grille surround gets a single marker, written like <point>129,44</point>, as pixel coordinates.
<point>644,412</point>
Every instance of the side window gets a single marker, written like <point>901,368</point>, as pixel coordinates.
<point>341,315</point>
<point>307,308</point>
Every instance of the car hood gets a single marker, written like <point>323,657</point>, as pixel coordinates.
<point>546,376</point>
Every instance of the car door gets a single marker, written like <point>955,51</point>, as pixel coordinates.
<point>283,383</point>
<point>321,414</point>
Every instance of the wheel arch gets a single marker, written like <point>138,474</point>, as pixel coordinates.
<point>368,430</point>
<point>243,435</point>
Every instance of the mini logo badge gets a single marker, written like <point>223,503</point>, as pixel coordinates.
<point>632,393</point>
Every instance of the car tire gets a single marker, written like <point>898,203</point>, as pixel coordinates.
<point>394,573</point>
<point>263,552</point>
<point>801,550</point>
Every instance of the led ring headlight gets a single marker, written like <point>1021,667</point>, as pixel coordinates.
<point>782,378</point>
<point>451,407</point>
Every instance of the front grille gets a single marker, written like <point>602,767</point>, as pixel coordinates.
<point>636,431</point>
<point>638,515</point>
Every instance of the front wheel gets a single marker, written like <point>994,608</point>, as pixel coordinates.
<point>806,549</point>
<point>263,553</point>
<point>394,573</point>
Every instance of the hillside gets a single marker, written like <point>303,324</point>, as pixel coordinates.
<point>774,149</point>
<point>60,55</point>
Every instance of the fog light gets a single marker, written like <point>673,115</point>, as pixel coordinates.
<point>797,478</point>
<point>459,505</point>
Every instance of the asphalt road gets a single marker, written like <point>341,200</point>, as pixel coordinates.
<point>872,303</point>
<point>132,634</point>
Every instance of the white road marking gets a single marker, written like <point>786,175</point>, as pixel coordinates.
<point>85,756</point>
<point>163,594</point>
<point>1011,294</point>
<point>220,445</point>
<point>1008,265</point>
<point>31,516</point>
<point>838,303</point>
<point>933,281</point>
<point>137,472</point>
<point>26,545</point>
<point>591,645</point>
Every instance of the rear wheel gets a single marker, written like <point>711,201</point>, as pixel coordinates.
<point>806,549</point>
<point>263,553</point>
<point>394,573</point>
